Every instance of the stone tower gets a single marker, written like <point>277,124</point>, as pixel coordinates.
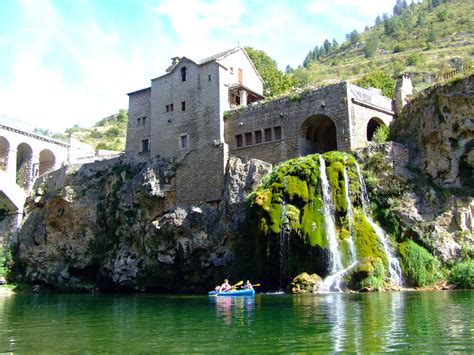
<point>403,89</point>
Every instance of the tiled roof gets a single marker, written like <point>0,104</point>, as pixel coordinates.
<point>218,56</point>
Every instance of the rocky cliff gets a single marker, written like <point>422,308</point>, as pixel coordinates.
<point>112,226</point>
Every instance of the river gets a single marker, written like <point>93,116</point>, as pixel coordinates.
<point>391,321</point>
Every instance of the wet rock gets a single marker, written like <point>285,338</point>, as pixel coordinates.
<point>306,283</point>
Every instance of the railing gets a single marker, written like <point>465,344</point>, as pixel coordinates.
<point>447,75</point>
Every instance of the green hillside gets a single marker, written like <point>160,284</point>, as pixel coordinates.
<point>108,133</point>
<point>422,39</point>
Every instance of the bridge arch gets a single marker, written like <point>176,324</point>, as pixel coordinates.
<point>318,134</point>
<point>47,161</point>
<point>372,126</point>
<point>4,150</point>
<point>24,165</point>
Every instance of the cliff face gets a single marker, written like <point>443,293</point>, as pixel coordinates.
<point>438,127</point>
<point>109,226</point>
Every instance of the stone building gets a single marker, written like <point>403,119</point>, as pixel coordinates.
<point>199,113</point>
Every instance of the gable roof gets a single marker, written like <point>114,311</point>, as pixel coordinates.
<point>213,58</point>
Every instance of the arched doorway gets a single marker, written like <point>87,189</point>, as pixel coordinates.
<point>4,150</point>
<point>318,135</point>
<point>372,126</point>
<point>24,165</point>
<point>47,161</point>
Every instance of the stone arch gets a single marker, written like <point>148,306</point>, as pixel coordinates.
<point>47,161</point>
<point>24,165</point>
<point>4,150</point>
<point>372,126</point>
<point>318,134</point>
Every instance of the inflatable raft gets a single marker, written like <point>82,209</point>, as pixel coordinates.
<point>245,292</point>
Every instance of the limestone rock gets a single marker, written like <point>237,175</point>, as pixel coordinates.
<point>114,225</point>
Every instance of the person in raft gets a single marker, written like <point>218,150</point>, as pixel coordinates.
<point>224,287</point>
<point>247,286</point>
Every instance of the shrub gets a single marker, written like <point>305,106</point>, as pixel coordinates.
<point>381,134</point>
<point>399,48</point>
<point>462,274</point>
<point>6,262</point>
<point>413,59</point>
<point>420,267</point>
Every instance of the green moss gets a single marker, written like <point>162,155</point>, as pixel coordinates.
<point>312,224</point>
<point>366,240</point>
<point>292,214</point>
<point>462,274</point>
<point>275,218</point>
<point>335,173</point>
<point>296,187</point>
<point>419,266</point>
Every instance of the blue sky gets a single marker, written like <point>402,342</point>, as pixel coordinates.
<point>66,62</point>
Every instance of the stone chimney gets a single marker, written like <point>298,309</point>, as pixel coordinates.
<point>403,89</point>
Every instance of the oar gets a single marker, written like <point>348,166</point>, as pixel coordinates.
<point>256,285</point>
<point>237,284</point>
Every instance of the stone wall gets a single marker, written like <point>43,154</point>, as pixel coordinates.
<point>290,114</point>
<point>139,107</point>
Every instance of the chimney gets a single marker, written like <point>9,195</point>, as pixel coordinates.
<point>403,89</point>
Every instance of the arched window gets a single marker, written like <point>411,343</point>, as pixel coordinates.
<point>372,126</point>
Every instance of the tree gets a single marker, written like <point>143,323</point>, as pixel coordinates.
<point>335,45</point>
<point>378,20</point>
<point>377,78</point>
<point>275,81</point>
<point>370,47</point>
<point>354,37</point>
<point>327,46</point>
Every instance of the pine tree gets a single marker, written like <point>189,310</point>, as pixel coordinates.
<point>378,20</point>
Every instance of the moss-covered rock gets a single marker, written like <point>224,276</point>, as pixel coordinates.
<point>305,283</point>
<point>368,274</point>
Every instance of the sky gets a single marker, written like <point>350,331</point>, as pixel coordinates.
<point>67,62</point>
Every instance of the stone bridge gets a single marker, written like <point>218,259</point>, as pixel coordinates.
<point>24,156</point>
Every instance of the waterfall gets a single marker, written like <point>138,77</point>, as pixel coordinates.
<point>350,216</point>
<point>328,210</point>
<point>282,240</point>
<point>394,268</point>
<point>334,282</point>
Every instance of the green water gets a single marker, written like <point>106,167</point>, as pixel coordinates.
<point>410,321</point>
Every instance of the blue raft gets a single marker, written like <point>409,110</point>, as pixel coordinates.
<point>245,292</point>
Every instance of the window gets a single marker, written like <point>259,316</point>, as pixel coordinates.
<point>184,141</point>
<point>143,121</point>
<point>145,146</point>
<point>238,139</point>
<point>183,74</point>
<point>171,107</point>
<point>248,138</point>
<point>167,108</point>
<point>277,132</point>
<point>258,137</point>
<point>138,121</point>
<point>183,105</point>
<point>240,76</point>
<point>209,77</point>
<point>268,134</point>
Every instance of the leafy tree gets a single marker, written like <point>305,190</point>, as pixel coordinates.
<point>275,81</point>
<point>43,132</point>
<point>377,78</point>
<point>371,47</point>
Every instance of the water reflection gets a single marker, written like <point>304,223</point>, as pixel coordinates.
<point>235,310</point>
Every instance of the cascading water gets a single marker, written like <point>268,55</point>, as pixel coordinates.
<point>283,239</point>
<point>350,217</point>
<point>394,268</point>
<point>328,210</point>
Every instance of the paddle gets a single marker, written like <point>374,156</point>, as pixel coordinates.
<point>256,285</point>
<point>237,284</point>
